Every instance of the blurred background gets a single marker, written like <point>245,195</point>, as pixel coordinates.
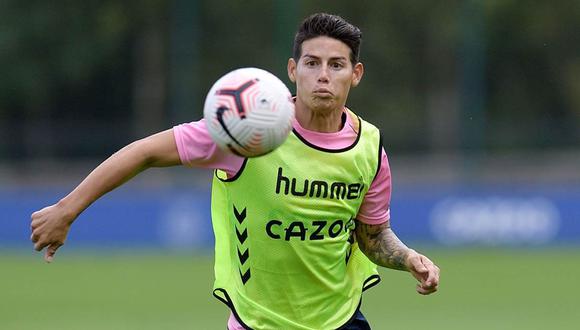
<point>479,107</point>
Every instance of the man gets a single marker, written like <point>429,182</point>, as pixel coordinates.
<point>299,231</point>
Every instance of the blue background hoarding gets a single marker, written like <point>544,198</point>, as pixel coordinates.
<point>172,218</point>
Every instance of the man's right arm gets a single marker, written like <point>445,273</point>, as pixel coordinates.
<point>380,244</point>
<point>51,224</point>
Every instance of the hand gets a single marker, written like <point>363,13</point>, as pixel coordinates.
<point>50,227</point>
<point>425,271</point>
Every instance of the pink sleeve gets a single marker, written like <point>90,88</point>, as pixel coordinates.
<point>197,149</point>
<point>375,208</point>
<point>233,324</point>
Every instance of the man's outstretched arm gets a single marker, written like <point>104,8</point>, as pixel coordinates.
<point>380,244</point>
<point>51,224</point>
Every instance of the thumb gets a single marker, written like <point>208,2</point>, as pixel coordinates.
<point>419,270</point>
<point>416,263</point>
<point>420,267</point>
<point>50,252</point>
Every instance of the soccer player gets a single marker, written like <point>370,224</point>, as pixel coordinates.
<point>299,231</point>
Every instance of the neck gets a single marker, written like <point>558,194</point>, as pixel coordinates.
<point>319,121</point>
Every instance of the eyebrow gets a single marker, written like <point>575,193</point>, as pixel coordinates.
<point>318,57</point>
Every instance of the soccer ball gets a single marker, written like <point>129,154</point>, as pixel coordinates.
<point>249,112</point>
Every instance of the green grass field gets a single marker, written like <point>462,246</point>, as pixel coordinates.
<point>480,289</point>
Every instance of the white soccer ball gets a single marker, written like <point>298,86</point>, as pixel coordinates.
<point>249,112</point>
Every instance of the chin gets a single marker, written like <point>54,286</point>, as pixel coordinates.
<point>322,105</point>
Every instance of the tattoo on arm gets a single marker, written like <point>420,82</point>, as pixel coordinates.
<point>380,244</point>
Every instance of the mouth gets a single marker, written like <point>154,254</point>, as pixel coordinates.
<point>323,92</point>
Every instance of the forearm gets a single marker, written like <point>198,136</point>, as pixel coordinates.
<point>113,172</point>
<point>154,151</point>
<point>380,244</point>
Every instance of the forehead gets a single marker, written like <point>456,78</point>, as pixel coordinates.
<point>325,47</point>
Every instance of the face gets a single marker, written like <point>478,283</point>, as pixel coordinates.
<point>323,74</point>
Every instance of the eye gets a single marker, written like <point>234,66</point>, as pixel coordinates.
<point>337,65</point>
<point>311,63</point>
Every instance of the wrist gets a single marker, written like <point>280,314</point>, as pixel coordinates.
<point>68,212</point>
<point>410,254</point>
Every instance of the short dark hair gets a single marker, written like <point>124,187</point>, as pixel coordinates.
<point>333,26</point>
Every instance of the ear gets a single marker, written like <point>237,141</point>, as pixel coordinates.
<point>357,72</point>
<point>292,69</point>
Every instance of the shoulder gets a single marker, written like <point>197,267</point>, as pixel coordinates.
<point>197,149</point>
<point>368,132</point>
<point>194,128</point>
<point>359,122</point>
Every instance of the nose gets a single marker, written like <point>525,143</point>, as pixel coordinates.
<point>323,74</point>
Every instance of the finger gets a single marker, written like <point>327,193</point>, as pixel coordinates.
<point>432,278</point>
<point>40,245</point>
<point>423,264</point>
<point>418,272</point>
<point>421,269</point>
<point>425,291</point>
<point>34,237</point>
<point>34,215</point>
<point>50,252</point>
<point>419,266</point>
<point>433,274</point>
<point>426,262</point>
<point>34,223</point>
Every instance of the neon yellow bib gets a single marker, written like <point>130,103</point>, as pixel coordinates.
<point>285,253</point>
